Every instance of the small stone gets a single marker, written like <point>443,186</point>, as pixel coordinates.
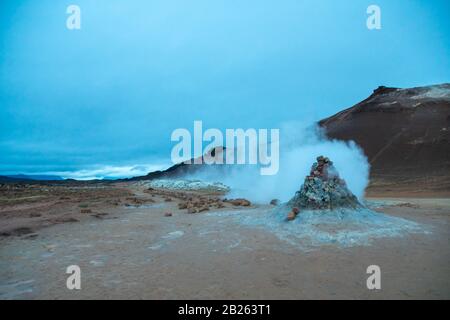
<point>240,202</point>
<point>192,210</point>
<point>291,216</point>
<point>182,205</point>
<point>274,202</point>
<point>167,214</point>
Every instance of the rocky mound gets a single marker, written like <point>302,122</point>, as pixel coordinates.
<point>323,189</point>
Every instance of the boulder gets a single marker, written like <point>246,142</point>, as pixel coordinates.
<point>291,216</point>
<point>274,202</point>
<point>240,202</point>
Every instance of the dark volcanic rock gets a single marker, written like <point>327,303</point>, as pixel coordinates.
<point>183,169</point>
<point>323,189</point>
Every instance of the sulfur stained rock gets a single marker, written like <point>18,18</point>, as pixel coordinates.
<point>240,202</point>
<point>291,216</point>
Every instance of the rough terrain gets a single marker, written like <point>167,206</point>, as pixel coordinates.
<point>135,244</point>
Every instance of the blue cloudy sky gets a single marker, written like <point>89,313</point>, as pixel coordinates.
<point>104,100</point>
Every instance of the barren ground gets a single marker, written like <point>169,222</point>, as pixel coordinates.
<point>128,248</point>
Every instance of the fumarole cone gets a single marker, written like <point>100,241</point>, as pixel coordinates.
<point>323,189</point>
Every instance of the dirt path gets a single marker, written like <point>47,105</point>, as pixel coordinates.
<point>138,253</point>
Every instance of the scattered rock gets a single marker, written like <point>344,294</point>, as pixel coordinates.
<point>31,236</point>
<point>240,202</point>
<point>99,215</point>
<point>50,247</point>
<point>21,231</point>
<point>291,216</point>
<point>64,220</point>
<point>35,215</point>
<point>408,205</point>
<point>275,202</point>
<point>182,205</point>
<point>192,210</point>
<point>167,214</point>
<point>135,201</point>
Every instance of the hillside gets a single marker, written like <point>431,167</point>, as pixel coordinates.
<point>405,133</point>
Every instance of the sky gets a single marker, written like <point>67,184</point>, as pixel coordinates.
<point>103,101</point>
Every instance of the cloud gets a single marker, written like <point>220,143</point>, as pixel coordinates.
<point>107,172</point>
<point>137,70</point>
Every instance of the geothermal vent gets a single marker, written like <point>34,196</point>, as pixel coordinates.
<point>323,190</point>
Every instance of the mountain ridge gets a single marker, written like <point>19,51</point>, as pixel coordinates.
<point>404,132</point>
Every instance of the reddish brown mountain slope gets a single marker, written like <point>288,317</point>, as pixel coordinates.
<point>405,134</point>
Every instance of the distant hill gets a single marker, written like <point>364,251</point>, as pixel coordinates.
<point>22,177</point>
<point>180,169</point>
<point>405,133</point>
<point>8,179</point>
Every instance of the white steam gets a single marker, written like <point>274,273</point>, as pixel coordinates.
<point>300,145</point>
